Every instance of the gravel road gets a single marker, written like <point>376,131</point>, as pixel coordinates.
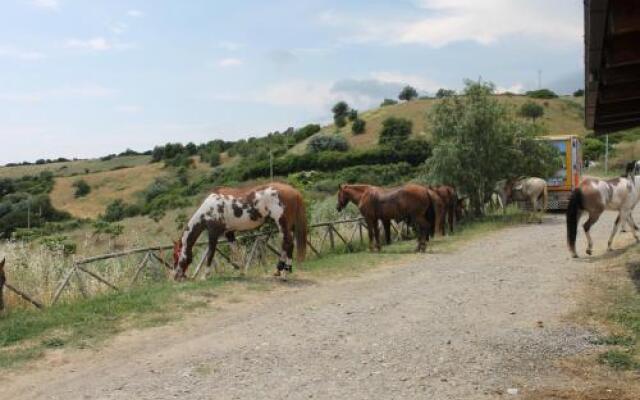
<point>483,321</point>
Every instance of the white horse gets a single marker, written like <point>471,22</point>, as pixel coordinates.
<point>596,195</point>
<point>525,189</point>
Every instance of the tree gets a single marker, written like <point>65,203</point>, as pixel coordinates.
<point>532,110</point>
<point>322,143</point>
<point>578,93</point>
<point>115,211</point>
<point>353,115</point>
<point>358,127</point>
<point>395,131</point>
<point>82,188</point>
<point>388,102</point>
<point>541,94</point>
<point>442,93</point>
<point>408,93</point>
<point>340,111</point>
<point>478,142</point>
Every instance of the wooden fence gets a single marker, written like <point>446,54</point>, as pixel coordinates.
<point>250,249</point>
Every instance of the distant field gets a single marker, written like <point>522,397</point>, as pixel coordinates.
<point>562,116</point>
<point>105,187</point>
<point>79,167</point>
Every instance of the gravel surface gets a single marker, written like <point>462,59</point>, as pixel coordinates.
<point>484,321</point>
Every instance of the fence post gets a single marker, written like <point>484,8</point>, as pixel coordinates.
<point>142,264</point>
<point>63,284</point>
<point>250,256</point>
<point>202,260</point>
<point>81,285</point>
<point>331,239</point>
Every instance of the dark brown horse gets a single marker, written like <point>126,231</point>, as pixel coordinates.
<point>408,202</point>
<point>450,206</point>
<point>229,210</point>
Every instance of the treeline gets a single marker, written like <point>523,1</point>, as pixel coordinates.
<point>26,201</point>
<point>413,152</point>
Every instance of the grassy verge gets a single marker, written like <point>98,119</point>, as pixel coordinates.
<point>27,334</point>
<point>614,307</point>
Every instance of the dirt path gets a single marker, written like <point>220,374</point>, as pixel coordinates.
<point>475,323</point>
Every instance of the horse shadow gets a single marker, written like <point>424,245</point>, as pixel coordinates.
<point>609,254</point>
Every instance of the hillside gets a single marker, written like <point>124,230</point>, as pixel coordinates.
<point>125,177</point>
<point>562,116</point>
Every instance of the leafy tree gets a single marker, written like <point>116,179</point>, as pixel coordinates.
<point>305,132</point>
<point>388,102</point>
<point>214,159</point>
<point>478,142</point>
<point>191,148</point>
<point>82,188</point>
<point>593,148</point>
<point>327,143</point>
<point>358,127</point>
<point>353,115</point>
<point>408,93</point>
<point>532,110</point>
<point>395,131</point>
<point>340,112</point>
<point>578,93</point>
<point>541,94</point>
<point>442,93</point>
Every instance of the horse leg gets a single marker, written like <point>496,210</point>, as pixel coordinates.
<point>450,215</point>
<point>619,221</point>
<point>593,218</point>
<point>213,243</point>
<point>386,224</point>
<point>285,264</point>
<point>376,232</point>
<point>422,227</point>
<point>632,225</point>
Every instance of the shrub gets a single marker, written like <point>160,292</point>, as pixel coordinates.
<point>442,93</point>
<point>340,113</point>
<point>532,110</point>
<point>353,115</point>
<point>388,102</point>
<point>358,126</point>
<point>82,188</point>
<point>115,211</point>
<point>305,132</point>
<point>408,93</point>
<point>578,93</point>
<point>395,131</point>
<point>327,143</point>
<point>541,94</point>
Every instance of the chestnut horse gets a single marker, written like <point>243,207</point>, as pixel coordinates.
<point>596,195</point>
<point>228,210</point>
<point>451,207</point>
<point>409,202</point>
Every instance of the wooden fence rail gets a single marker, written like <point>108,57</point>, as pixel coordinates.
<point>257,247</point>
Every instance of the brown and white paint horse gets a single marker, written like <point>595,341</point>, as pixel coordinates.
<point>228,210</point>
<point>409,202</point>
<point>595,196</point>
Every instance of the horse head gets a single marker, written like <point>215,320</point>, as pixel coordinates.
<point>179,269</point>
<point>343,198</point>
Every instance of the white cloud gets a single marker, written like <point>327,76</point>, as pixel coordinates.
<point>46,4</point>
<point>19,54</point>
<point>517,88</point>
<point>229,62</point>
<point>96,44</point>
<point>416,81</point>
<point>128,109</point>
<point>228,45</point>
<point>442,22</point>
<point>83,91</point>
<point>135,13</point>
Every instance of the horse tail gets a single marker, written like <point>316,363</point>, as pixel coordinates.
<point>573,215</point>
<point>301,229</point>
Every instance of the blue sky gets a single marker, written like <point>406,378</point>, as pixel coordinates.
<point>87,78</point>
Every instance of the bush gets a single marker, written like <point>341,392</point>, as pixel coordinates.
<point>388,102</point>
<point>327,143</point>
<point>442,93</point>
<point>395,131</point>
<point>358,126</point>
<point>340,113</point>
<point>593,148</point>
<point>305,132</point>
<point>541,94</point>
<point>115,211</point>
<point>353,115</point>
<point>408,93</point>
<point>532,110</point>
<point>578,93</point>
<point>82,188</point>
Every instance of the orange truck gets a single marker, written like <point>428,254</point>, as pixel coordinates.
<point>567,178</point>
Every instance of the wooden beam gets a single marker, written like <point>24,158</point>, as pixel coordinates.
<point>623,50</point>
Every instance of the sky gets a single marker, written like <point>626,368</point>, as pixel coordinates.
<point>87,78</point>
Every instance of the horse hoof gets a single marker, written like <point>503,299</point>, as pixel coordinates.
<point>574,256</point>
<point>589,252</point>
<point>277,273</point>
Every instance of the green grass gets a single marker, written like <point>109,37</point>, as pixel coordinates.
<point>25,334</point>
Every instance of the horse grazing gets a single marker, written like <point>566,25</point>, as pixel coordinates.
<point>596,195</point>
<point>229,210</point>
<point>527,189</point>
<point>408,202</point>
<point>451,207</point>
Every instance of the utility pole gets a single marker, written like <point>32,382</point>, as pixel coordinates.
<point>29,213</point>
<point>271,164</point>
